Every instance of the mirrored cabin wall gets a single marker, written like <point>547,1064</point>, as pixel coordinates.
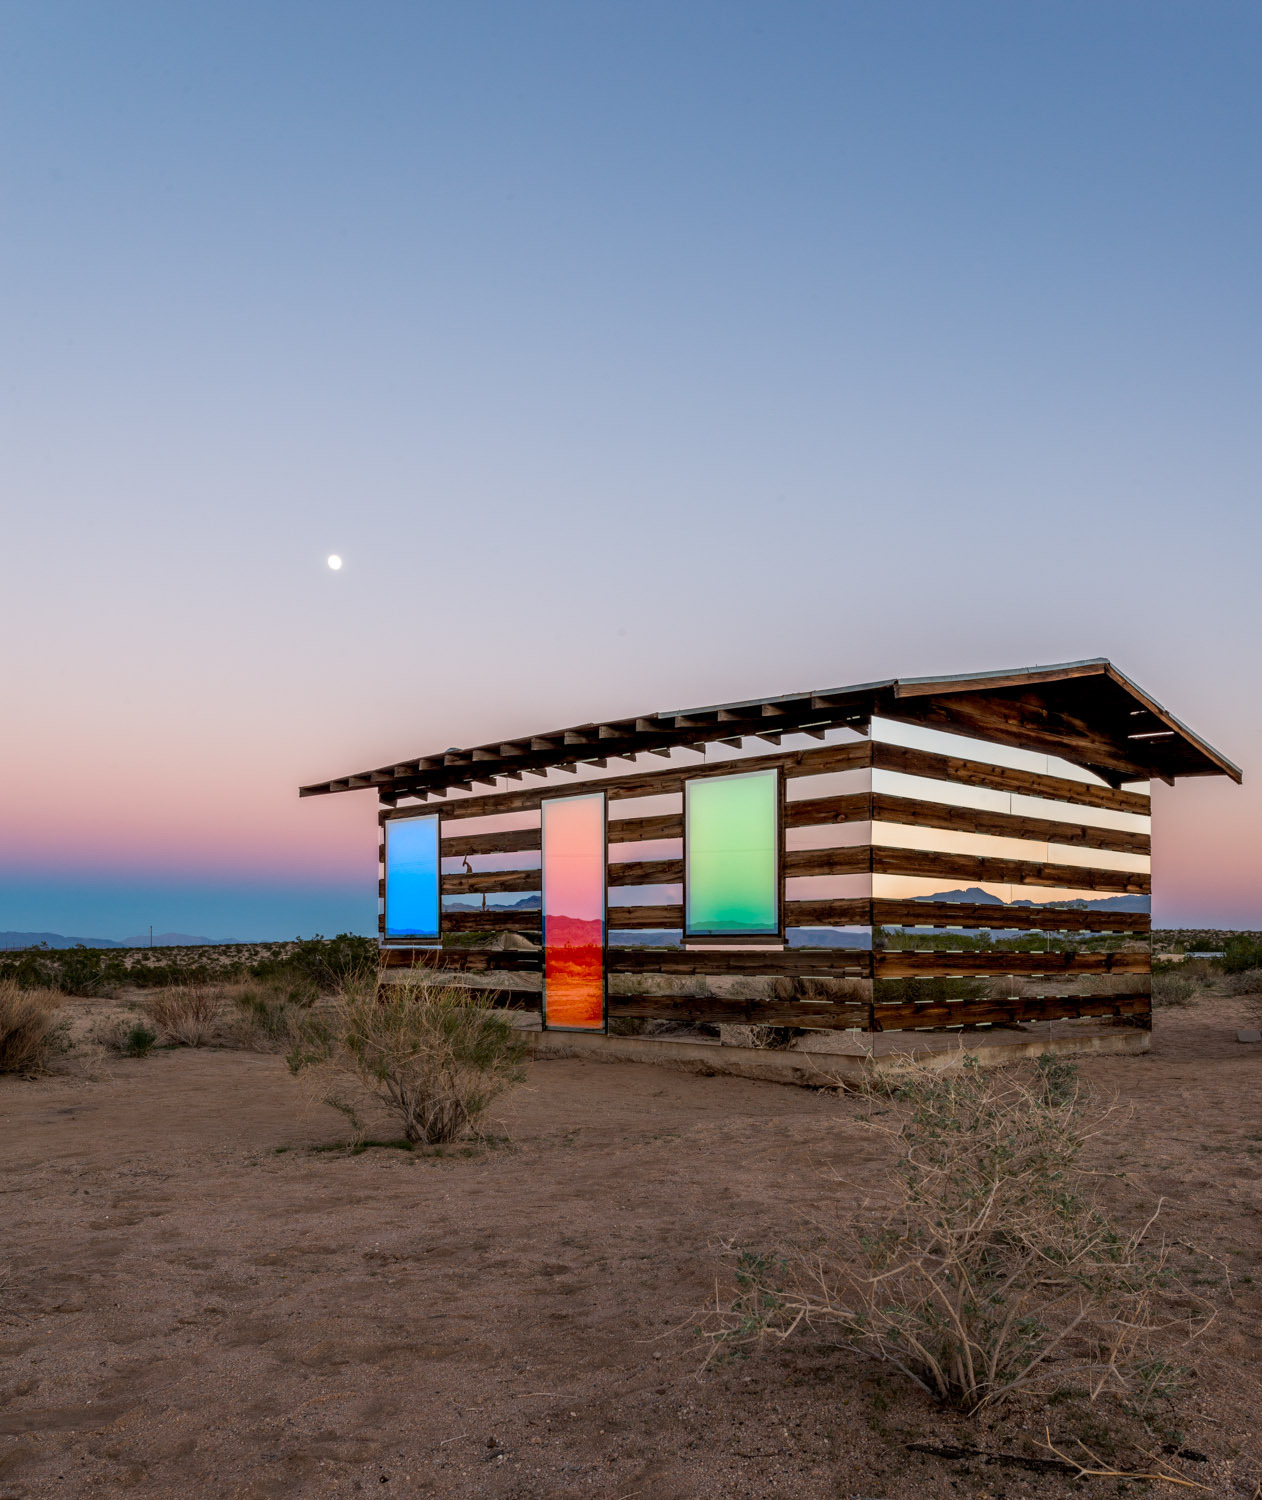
<point>923,880</point>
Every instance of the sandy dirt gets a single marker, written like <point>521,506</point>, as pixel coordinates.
<point>199,1304</point>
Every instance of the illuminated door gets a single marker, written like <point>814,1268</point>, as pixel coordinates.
<point>731,855</point>
<point>574,912</point>
<point>412,904</point>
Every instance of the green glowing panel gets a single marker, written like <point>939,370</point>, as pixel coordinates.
<point>731,844</point>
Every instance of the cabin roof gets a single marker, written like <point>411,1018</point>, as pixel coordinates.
<point>1087,712</point>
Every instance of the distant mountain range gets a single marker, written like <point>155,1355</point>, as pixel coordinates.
<point>974,895</point>
<point>12,940</point>
<point>527,903</point>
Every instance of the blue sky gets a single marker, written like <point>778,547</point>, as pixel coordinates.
<point>632,356</point>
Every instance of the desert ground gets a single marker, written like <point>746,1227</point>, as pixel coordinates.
<point>205,1293</point>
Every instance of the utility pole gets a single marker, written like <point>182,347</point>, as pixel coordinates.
<point>151,934</point>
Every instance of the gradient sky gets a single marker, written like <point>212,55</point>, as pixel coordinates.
<point>632,356</point>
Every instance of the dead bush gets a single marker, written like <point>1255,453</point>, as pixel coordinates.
<point>130,1037</point>
<point>266,1019</point>
<point>765,1038</point>
<point>989,1267</point>
<point>434,1055</point>
<point>1169,987</point>
<point>30,1033</point>
<point>186,1014</point>
<point>1247,983</point>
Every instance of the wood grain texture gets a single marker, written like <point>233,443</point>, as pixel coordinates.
<point>890,963</point>
<point>937,1015</point>
<point>708,1009</point>
<point>977,868</point>
<point>516,841</point>
<point>492,920</point>
<point>815,812</point>
<point>492,881</point>
<point>635,830</point>
<point>855,860</point>
<point>646,872</point>
<point>887,757</point>
<point>824,962</point>
<point>645,917</point>
<point>815,762</point>
<point>921,814</point>
<point>837,913</point>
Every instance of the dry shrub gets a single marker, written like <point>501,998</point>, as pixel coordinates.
<point>764,1038</point>
<point>186,1014</point>
<point>30,1033</point>
<point>434,1055</point>
<point>1247,983</point>
<point>1169,987</point>
<point>128,1036</point>
<point>266,1019</point>
<point>989,1267</point>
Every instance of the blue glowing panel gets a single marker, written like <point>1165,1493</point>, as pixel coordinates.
<point>412,878</point>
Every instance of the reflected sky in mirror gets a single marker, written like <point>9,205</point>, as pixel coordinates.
<point>991,846</point>
<point>934,888</point>
<point>989,799</point>
<point>830,784</point>
<point>827,887</point>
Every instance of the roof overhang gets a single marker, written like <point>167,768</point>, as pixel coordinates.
<point>1085,711</point>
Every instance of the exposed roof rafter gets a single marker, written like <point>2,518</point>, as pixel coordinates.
<point>1087,712</point>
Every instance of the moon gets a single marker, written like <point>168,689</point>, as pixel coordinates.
<point>335,562</point>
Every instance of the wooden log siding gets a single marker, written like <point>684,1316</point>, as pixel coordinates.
<point>841,963</point>
<point>516,841</point>
<point>1044,970</point>
<point>811,1014</point>
<point>888,809</point>
<point>636,830</point>
<point>977,868</point>
<point>887,757</point>
<point>939,1015</point>
<point>817,762</point>
<point>911,1015</point>
<point>491,881</point>
<point>900,963</point>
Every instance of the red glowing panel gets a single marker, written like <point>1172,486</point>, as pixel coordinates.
<point>574,912</point>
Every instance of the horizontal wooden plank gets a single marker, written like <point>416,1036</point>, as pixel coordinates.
<point>816,812</point>
<point>827,962</point>
<point>1024,918</point>
<point>976,868</point>
<point>462,961</point>
<point>892,963</point>
<point>854,913</point>
<point>635,830</point>
<point>710,1010</point>
<point>649,783</point>
<point>851,861</point>
<point>666,918</point>
<point>887,809</point>
<point>937,1015</point>
<point>647,872</point>
<point>493,919</point>
<point>492,881</point>
<point>886,757</point>
<point>512,841</point>
<point>662,917</point>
